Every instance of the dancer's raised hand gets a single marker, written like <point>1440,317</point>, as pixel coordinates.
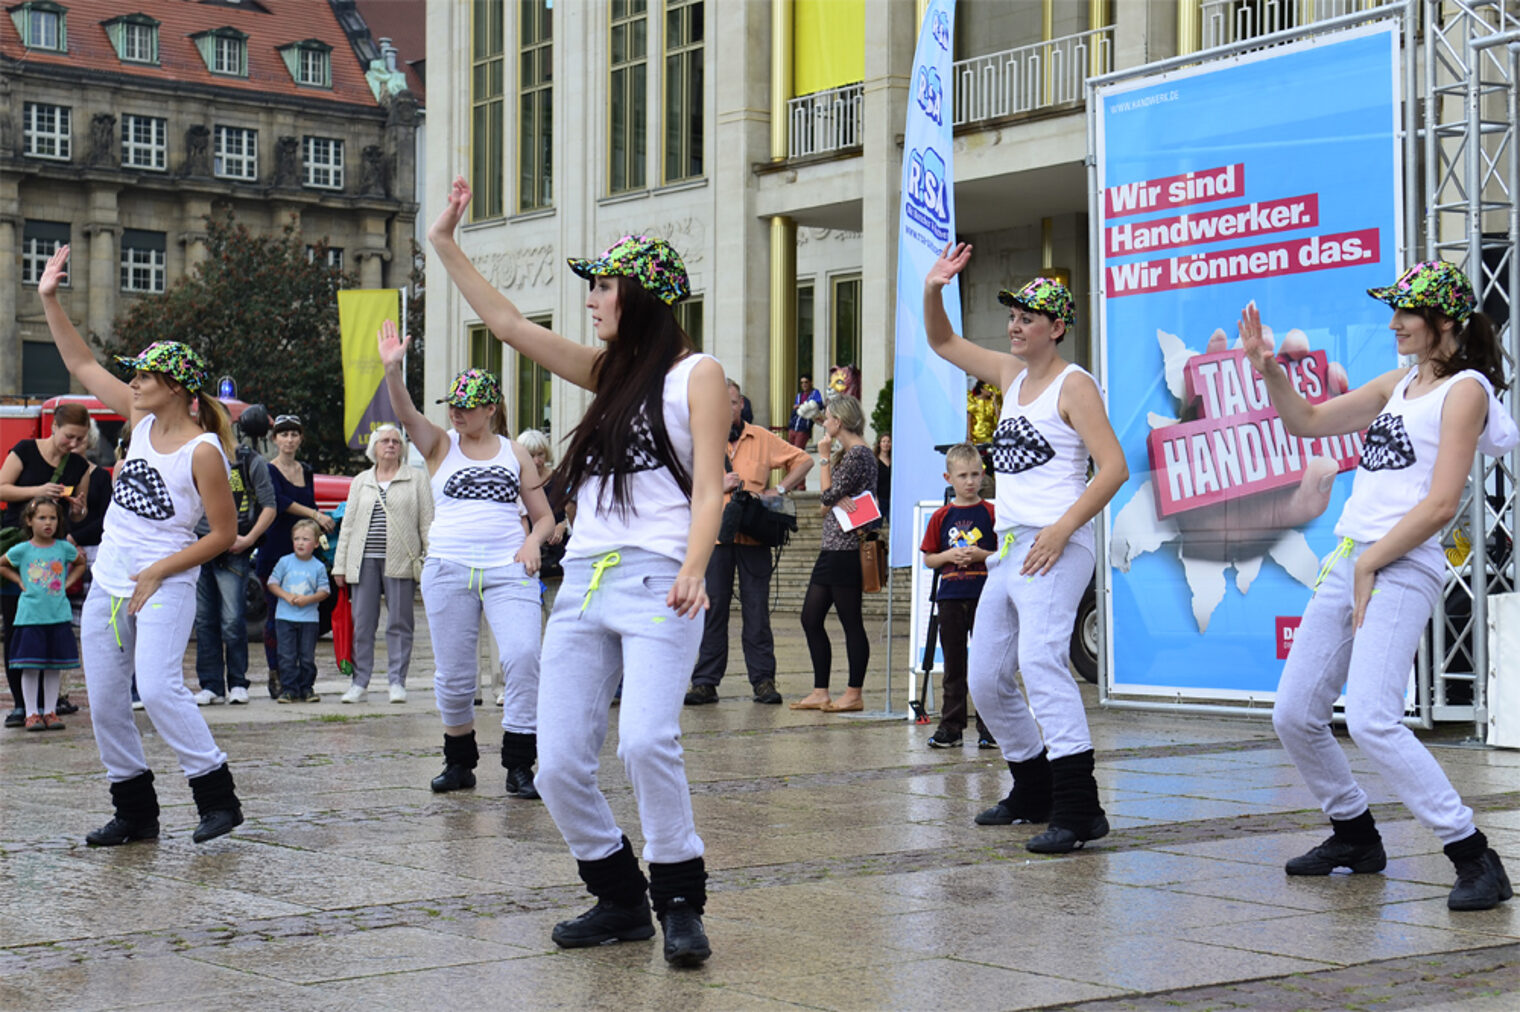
<point>1258,345</point>
<point>951,261</point>
<point>54,274</point>
<point>392,346</point>
<point>453,211</point>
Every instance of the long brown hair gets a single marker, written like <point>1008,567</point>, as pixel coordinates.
<point>1477,346</point>
<point>629,380</point>
<point>214,418</point>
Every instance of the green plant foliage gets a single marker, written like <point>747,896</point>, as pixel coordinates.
<point>881,415</point>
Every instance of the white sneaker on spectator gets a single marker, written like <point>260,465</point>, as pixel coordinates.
<point>501,699</point>
<point>206,697</point>
<point>238,694</point>
<point>355,694</point>
<point>398,693</point>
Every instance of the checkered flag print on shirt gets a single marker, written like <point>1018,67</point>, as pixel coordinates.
<point>639,455</point>
<point>1387,446</point>
<point>1018,446</point>
<point>494,483</point>
<point>141,489</point>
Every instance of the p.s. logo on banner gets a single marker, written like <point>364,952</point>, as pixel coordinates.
<point>928,203</point>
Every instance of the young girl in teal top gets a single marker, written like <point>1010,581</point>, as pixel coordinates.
<point>43,642</point>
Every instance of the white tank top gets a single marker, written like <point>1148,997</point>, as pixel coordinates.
<point>1399,458</point>
<point>154,509</point>
<point>475,518</point>
<point>1040,462</point>
<point>658,518</point>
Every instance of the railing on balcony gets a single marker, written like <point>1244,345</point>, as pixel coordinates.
<point>824,121</point>
<point>1229,21</point>
<point>1030,77</point>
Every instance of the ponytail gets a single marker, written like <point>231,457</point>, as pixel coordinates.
<point>499,420</point>
<point>215,419</point>
<point>1477,347</point>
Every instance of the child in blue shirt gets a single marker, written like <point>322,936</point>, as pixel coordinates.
<point>957,541</point>
<point>43,638</point>
<point>299,580</point>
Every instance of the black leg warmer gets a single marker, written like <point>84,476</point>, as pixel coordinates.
<point>1074,792</point>
<point>615,878</point>
<point>461,750</point>
<point>518,750</point>
<point>683,880</point>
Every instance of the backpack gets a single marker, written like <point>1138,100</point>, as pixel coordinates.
<point>241,480</point>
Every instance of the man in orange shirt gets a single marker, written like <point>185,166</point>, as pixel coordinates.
<point>753,453</point>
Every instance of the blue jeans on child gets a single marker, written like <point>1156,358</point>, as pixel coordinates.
<point>297,643</point>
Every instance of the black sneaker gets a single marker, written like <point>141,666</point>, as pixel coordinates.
<point>64,706</point>
<point>1339,853</point>
<point>984,743</point>
<point>1061,840</point>
<point>605,924</point>
<point>701,694</point>
<point>119,831</point>
<point>217,823</point>
<point>685,940</point>
<point>453,778</point>
<point>16,718</point>
<point>274,684</point>
<point>1481,884</point>
<point>766,692</point>
<point>520,783</point>
<point>287,696</point>
<point>942,738</point>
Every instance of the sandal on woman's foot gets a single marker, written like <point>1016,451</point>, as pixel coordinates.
<point>803,704</point>
<point>849,707</point>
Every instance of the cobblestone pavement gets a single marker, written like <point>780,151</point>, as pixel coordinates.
<point>846,873</point>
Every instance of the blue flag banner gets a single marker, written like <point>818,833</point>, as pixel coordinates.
<point>1271,177</point>
<point>928,393</point>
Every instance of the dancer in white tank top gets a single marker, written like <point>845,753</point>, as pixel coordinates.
<point>1377,589</point>
<point>1053,419</point>
<point>138,615</point>
<point>646,468</point>
<point>479,563</point>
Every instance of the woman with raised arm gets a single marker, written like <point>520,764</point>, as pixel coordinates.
<point>479,561</point>
<point>140,611</point>
<point>1053,420</point>
<point>1377,589</point>
<point>645,467</point>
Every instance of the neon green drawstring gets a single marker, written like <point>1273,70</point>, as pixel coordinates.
<point>470,583</point>
<point>1008,539</point>
<point>1342,551</point>
<point>604,563</point>
<point>116,603</point>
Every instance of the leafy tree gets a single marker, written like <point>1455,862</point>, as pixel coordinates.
<point>260,312</point>
<point>881,415</point>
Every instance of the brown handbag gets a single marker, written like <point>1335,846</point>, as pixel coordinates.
<point>873,564</point>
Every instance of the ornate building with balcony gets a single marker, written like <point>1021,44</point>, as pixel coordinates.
<point>124,123</point>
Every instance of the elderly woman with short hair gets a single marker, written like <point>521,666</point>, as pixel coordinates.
<point>380,551</point>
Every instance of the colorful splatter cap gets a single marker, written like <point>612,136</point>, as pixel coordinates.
<point>651,262</point>
<point>1432,284</point>
<point>177,361</point>
<point>1043,295</point>
<point>473,388</point>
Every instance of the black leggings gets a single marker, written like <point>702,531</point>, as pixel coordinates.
<point>846,604</point>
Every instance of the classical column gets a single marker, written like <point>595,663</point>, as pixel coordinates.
<point>783,316</point>
<point>781,76</point>
<point>10,284</point>
<point>1189,27</point>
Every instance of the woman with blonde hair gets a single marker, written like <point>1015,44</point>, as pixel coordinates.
<point>380,550</point>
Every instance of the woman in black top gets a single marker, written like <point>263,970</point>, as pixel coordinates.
<point>52,466</point>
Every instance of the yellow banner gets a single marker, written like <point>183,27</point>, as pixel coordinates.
<point>365,404</point>
<point>828,44</point>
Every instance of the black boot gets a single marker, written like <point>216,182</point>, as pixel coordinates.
<point>518,754</point>
<point>1075,815</point>
<point>621,913</point>
<point>460,757</point>
<point>1029,801</point>
<point>678,893</point>
<point>216,801</point>
<point>1355,844</point>
<point>136,818</point>
<point>1481,881</point>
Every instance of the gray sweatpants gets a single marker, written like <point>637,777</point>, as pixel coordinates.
<point>621,630</point>
<point>1023,627</point>
<point>364,599</point>
<point>114,645</point>
<point>455,597</point>
<point>1373,664</point>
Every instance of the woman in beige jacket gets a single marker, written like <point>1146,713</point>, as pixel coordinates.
<point>380,550</point>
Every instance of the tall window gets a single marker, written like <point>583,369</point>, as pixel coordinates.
<point>135,37</point>
<point>535,101</point>
<point>314,68</point>
<point>143,261</point>
<point>144,142</point>
<point>229,56</point>
<point>683,89</point>
<point>39,240</point>
<point>846,302</point>
<point>485,350</point>
<point>324,163</point>
<point>533,387</point>
<point>236,153</point>
<point>627,84</point>
<point>688,313</point>
<point>805,328</point>
<point>42,25</point>
<point>487,115</point>
<point>45,131</point>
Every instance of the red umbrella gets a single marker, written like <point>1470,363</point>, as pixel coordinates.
<point>343,632</point>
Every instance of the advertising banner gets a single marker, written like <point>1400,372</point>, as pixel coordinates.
<point>365,402</point>
<point>928,393</point>
<point>1271,177</point>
